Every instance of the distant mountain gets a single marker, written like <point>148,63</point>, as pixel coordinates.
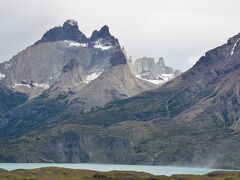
<point>155,72</point>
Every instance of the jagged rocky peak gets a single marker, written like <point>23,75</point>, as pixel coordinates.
<point>145,64</point>
<point>161,62</point>
<point>118,58</point>
<point>68,31</point>
<point>102,39</point>
<point>102,33</point>
<point>156,72</point>
<point>71,22</point>
<point>130,60</point>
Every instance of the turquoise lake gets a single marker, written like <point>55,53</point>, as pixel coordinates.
<point>156,170</point>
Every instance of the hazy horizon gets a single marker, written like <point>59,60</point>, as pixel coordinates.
<point>180,31</point>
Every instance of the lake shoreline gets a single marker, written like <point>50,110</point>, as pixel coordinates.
<point>65,173</point>
<point>154,170</point>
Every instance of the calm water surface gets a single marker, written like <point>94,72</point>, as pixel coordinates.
<point>156,170</point>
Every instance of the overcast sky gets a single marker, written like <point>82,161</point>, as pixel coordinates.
<point>179,30</point>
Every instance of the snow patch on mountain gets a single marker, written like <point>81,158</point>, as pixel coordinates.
<point>2,76</point>
<point>234,46</point>
<point>43,85</point>
<point>166,77</point>
<point>99,45</point>
<point>75,44</point>
<point>21,85</point>
<point>72,22</point>
<point>92,76</point>
<point>33,85</point>
<point>154,81</point>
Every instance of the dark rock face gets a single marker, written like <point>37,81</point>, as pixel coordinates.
<point>104,37</point>
<point>75,147</point>
<point>103,33</point>
<point>69,31</point>
<point>69,148</point>
<point>118,58</point>
<point>73,63</point>
<point>10,99</point>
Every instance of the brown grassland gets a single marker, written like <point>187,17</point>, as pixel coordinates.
<point>53,173</point>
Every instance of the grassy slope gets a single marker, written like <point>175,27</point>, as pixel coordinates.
<point>160,141</point>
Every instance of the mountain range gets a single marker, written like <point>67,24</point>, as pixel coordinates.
<point>77,99</point>
<point>64,60</point>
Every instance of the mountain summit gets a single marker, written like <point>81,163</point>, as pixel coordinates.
<point>102,33</point>
<point>71,22</point>
<point>68,31</point>
<point>102,39</point>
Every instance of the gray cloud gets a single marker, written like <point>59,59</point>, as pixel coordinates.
<point>180,31</point>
